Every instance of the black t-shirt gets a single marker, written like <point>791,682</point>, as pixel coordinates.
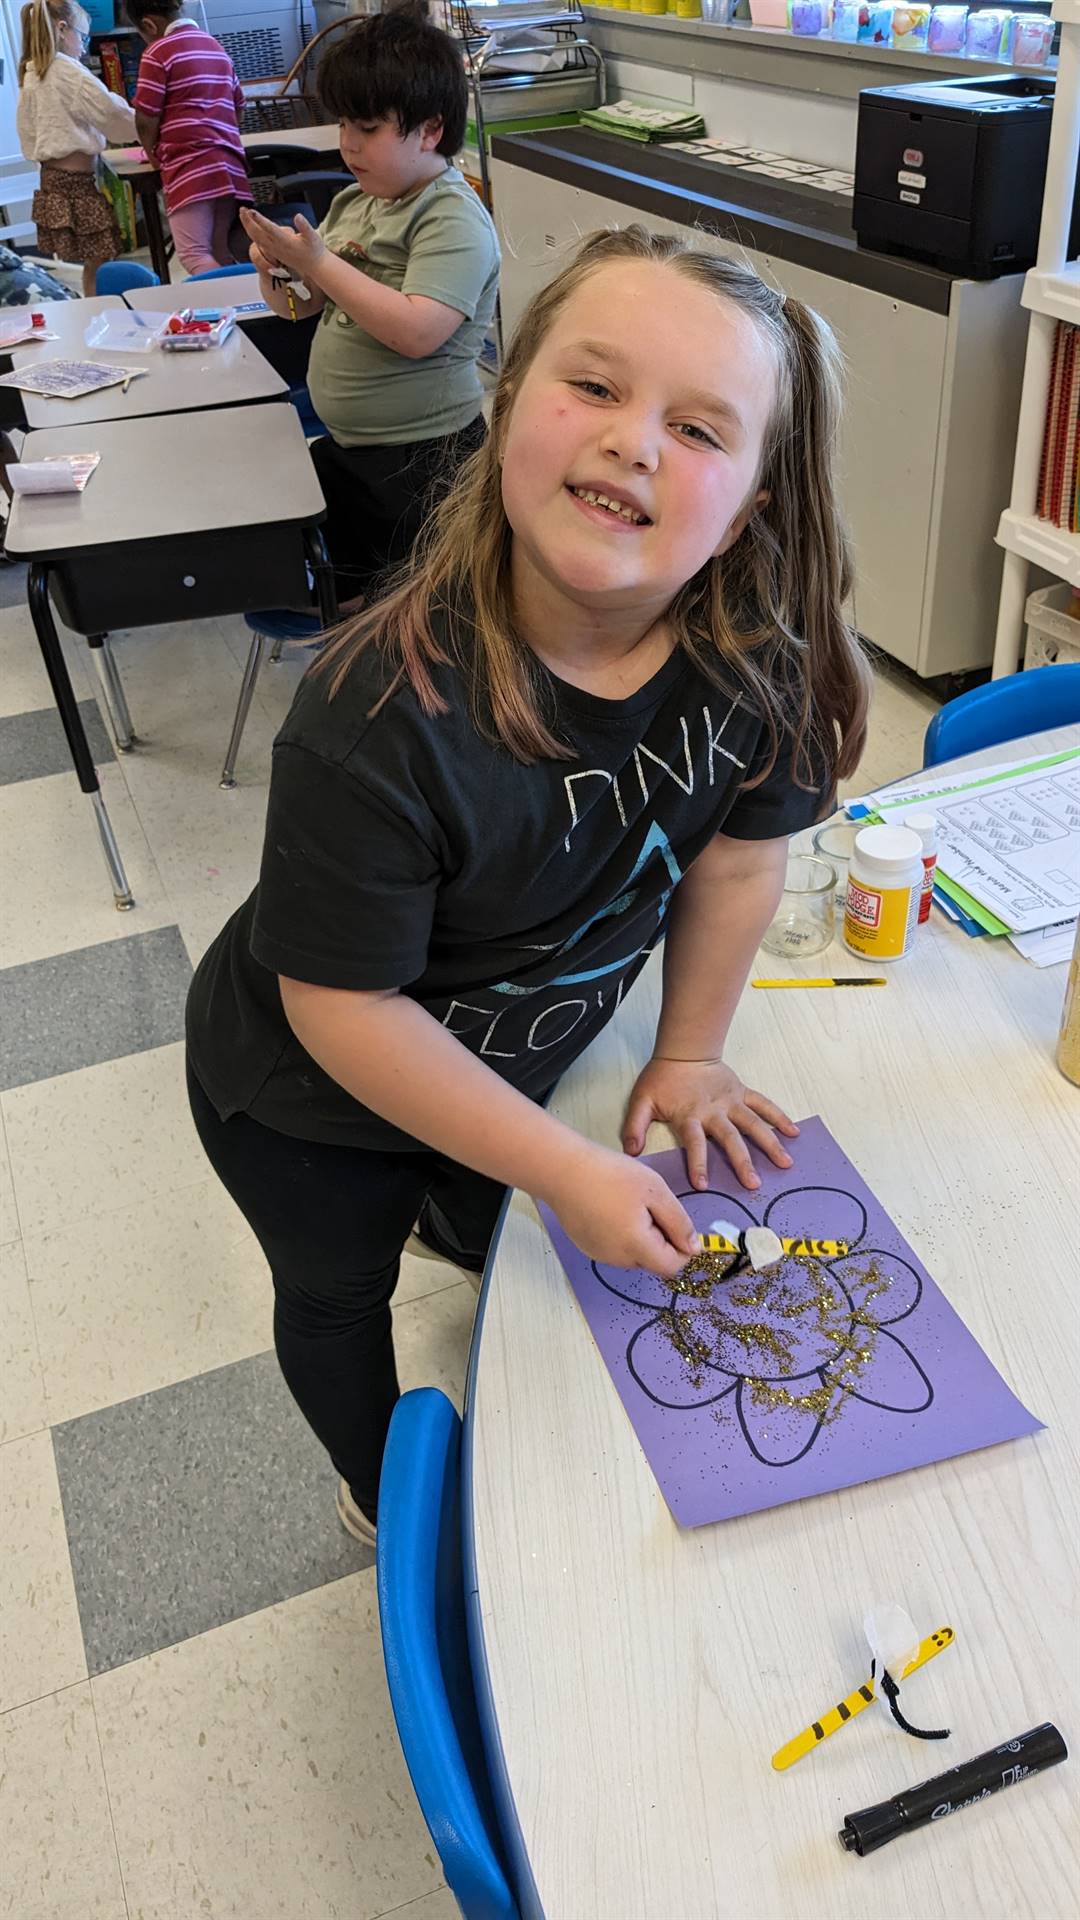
<point>516,904</point>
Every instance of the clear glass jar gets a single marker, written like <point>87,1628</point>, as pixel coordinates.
<point>805,920</point>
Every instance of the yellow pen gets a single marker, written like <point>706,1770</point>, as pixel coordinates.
<point>846,1710</point>
<point>848,980</point>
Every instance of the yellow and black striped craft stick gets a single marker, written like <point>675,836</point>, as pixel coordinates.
<point>846,1710</point>
<point>815,1249</point>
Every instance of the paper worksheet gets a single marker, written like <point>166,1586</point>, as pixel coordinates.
<point>1011,839</point>
<point>68,379</point>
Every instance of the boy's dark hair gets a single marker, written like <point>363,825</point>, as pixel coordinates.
<point>139,10</point>
<point>396,65</point>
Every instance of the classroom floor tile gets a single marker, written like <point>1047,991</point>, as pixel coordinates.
<point>96,1003</point>
<point>41,1647</point>
<point>195,1505</point>
<point>24,683</point>
<point>133,1300</point>
<point>211,1499</point>
<point>59,1849</point>
<point>256,1770</point>
<point>89,1142</point>
<point>52,865</point>
<point>33,745</point>
<point>22,1389</point>
<point>9,1213</point>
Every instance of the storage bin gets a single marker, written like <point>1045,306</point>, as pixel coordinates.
<point>1052,634</point>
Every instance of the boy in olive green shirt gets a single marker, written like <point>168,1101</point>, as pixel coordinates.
<point>405,271</point>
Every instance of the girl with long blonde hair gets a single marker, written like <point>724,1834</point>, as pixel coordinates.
<point>615,680</point>
<point>64,119</point>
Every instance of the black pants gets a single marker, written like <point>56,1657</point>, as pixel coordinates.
<point>332,1222</point>
<point>377,499</point>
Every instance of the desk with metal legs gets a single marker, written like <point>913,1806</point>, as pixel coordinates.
<point>189,515</point>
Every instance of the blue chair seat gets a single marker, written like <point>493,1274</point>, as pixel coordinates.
<point>223,273</point>
<point>120,276</point>
<point>425,1646</point>
<point>1003,710</point>
<point>282,623</point>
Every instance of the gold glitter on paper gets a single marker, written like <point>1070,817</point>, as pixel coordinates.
<point>796,1296</point>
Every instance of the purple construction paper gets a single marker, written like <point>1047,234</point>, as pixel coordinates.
<point>720,1446</point>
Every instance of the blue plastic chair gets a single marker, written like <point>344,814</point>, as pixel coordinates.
<point>422,1618</point>
<point>1003,709</point>
<point>120,276</point>
<point>222,273</point>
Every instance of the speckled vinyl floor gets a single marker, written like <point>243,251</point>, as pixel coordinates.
<point>193,1715</point>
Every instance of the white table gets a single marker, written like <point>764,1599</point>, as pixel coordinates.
<point>228,376</point>
<point>636,1679</point>
<point>68,319</point>
<point>311,139</point>
<point>189,515</point>
<point>230,290</point>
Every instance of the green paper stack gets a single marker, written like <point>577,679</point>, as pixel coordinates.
<point>647,124</point>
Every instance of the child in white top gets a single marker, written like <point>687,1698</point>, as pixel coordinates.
<point>65,118</point>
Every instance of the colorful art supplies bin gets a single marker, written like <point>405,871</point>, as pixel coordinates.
<point>197,328</point>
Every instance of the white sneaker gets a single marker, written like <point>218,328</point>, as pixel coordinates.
<point>353,1518</point>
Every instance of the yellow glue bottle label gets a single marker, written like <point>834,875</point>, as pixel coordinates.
<point>879,921</point>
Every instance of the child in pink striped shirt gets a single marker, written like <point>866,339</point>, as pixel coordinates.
<point>187,107</point>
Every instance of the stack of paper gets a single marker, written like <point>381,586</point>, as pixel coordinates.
<point>647,124</point>
<point>1059,471</point>
<point>1008,847</point>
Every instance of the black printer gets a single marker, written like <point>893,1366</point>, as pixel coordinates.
<point>952,172</point>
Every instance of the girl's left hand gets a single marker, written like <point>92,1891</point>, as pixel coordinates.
<point>299,247</point>
<point>703,1100</point>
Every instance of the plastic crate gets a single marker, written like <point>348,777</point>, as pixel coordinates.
<point>1052,633</point>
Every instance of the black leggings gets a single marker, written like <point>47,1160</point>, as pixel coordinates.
<point>332,1222</point>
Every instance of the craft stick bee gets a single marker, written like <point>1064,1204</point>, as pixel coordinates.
<point>772,1245</point>
<point>846,1710</point>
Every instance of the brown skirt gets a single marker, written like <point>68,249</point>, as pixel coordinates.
<point>74,220</point>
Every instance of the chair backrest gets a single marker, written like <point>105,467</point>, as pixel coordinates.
<point>425,1646</point>
<point>1004,709</point>
<point>320,188</point>
<point>119,276</point>
<point>223,273</point>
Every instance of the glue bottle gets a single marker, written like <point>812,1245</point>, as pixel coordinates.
<point>885,882</point>
<point>925,825</point>
<point>1068,1046</point>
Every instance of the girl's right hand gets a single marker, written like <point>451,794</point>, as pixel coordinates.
<point>621,1213</point>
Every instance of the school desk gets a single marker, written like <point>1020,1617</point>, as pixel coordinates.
<point>230,290</point>
<point>232,375</point>
<point>145,180</point>
<point>285,344</point>
<point>188,515</point>
<point>636,1679</point>
<point>68,320</point>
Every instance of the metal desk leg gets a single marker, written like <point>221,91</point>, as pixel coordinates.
<point>56,667</point>
<point>155,232</point>
<point>112,688</point>
<point>323,574</point>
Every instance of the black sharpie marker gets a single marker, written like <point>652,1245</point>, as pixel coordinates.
<point>946,1793</point>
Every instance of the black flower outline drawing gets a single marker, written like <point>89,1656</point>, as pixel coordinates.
<point>903,1387</point>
